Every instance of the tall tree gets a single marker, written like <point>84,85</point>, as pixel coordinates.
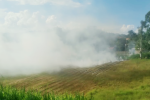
<point>142,39</point>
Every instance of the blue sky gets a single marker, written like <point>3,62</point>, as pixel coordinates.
<point>128,12</point>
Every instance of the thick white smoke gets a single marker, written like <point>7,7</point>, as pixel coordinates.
<point>31,43</point>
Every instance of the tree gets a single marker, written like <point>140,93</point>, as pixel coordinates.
<point>145,32</point>
<point>142,38</point>
<point>147,20</point>
<point>132,35</point>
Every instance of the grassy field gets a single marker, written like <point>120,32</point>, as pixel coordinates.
<point>130,81</point>
<point>127,80</point>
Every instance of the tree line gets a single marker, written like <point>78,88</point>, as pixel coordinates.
<point>141,39</point>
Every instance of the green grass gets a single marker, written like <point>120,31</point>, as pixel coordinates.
<point>130,81</point>
<point>141,93</point>
<point>10,93</point>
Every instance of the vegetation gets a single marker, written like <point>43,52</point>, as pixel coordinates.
<point>127,80</point>
<point>137,56</point>
<point>10,93</point>
<point>142,38</point>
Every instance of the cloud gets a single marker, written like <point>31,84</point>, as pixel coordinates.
<point>50,19</point>
<point>53,2</point>
<point>31,43</point>
<point>23,18</point>
<point>126,28</point>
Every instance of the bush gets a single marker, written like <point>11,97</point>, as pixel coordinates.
<point>137,56</point>
<point>146,55</point>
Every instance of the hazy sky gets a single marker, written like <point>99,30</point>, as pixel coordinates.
<point>110,15</point>
<point>44,35</point>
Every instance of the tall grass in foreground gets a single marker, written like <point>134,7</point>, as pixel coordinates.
<point>10,93</point>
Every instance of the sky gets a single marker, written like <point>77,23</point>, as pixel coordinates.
<point>46,35</point>
<point>116,16</point>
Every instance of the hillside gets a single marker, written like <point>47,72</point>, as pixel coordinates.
<point>119,80</point>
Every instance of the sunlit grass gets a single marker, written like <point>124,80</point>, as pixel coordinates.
<point>129,81</point>
<point>10,93</point>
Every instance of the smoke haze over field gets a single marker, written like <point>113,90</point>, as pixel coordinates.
<point>46,35</point>
<point>28,45</point>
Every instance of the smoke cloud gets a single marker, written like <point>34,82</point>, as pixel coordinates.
<point>32,43</point>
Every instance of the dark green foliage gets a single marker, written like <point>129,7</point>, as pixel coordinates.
<point>137,56</point>
<point>132,35</point>
<point>146,55</point>
<point>147,19</point>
